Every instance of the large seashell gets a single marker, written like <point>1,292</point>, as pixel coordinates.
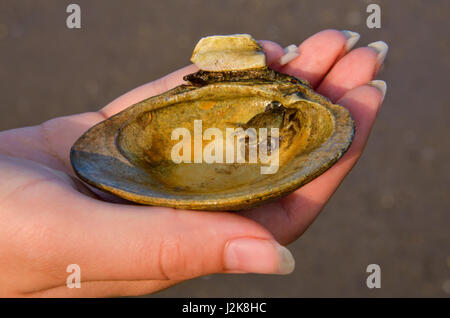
<point>131,154</point>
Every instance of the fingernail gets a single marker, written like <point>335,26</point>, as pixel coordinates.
<point>252,255</point>
<point>382,49</point>
<point>352,39</point>
<point>380,85</point>
<point>290,53</point>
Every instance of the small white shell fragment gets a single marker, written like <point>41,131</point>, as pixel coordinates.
<point>227,53</point>
<point>291,52</point>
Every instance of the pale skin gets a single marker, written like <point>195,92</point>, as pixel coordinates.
<point>49,219</point>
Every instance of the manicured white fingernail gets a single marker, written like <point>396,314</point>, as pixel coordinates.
<point>382,49</point>
<point>352,39</point>
<point>290,48</point>
<point>252,255</point>
<point>290,53</point>
<point>380,85</point>
<point>287,261</point>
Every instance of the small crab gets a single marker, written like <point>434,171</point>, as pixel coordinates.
<point>275,115</point>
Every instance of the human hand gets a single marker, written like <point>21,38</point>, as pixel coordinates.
<point>50,219</point>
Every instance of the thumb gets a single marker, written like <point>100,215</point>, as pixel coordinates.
<point>142,243</point>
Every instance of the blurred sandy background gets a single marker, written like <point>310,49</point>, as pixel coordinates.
<point>392,210</point>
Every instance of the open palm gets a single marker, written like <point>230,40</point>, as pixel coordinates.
<point>50,219</point>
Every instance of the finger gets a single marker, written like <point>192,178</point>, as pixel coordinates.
<point>318,53</point>
<point>273,53</point>
<point>112,242</point>
<point>272,50</point>
<point>117,242</point>
<point>356,68</point>
<point>289,217</point>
